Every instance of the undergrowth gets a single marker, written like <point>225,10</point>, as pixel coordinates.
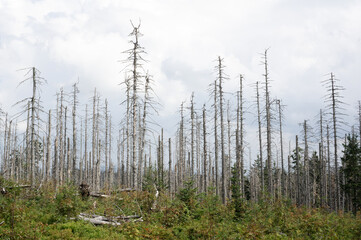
<point>48,214</point>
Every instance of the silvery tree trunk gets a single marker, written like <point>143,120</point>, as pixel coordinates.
<point>268,125</point>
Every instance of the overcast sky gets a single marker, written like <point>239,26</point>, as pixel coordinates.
<point>83,39</point>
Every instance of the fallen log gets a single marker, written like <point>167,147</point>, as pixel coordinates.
<point>99,221</point>
<point>102,220</point>
<point>19,186</point>
<point>99,195</point>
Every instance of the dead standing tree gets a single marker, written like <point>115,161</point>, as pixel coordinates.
<point>283,175</point>
<point>334,105</point>
<point>33,75</point>
<point>220,78</point>
<point>74,155</point>
<point>268,125</point>
<point>135,72</point>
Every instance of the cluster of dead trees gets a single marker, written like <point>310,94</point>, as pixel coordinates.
<point>62,146</point>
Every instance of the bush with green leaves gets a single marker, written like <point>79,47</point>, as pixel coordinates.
<point>67,201</point>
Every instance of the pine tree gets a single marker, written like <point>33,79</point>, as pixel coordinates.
<point>352,171</point>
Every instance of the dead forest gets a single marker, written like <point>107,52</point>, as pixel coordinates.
<point>79,142</point>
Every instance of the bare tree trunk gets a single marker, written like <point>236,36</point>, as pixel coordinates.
<point>169,166</point>
<point>32,132</point>
<point>60,140</point>
<point>192,136</point>
<point>111,171</point>
<point>94,142</point>
<point>223,158</point>
<point>48,151</point>
<point>68,160</point>
<point>238,143</point>
<point>205,185</point>
<point>298,193</point>
<point>106,145</point>
<point>330,195</point>
<point>334,121</point>
<point>127,165</point>
<point>281,144</point>
<point>74,157</point>
<point>66,172</point>
<point>98,148</point>
<point>260,139</point>
<point>181,151</point>
<point>229,159</point>
<point>120,152</point>
<point>268,121</point>
<point>86,164</point>
<point>81,158</point>
<point>323,184</point>
<point>241,136</point>
<point>306,166</point>
<point>5,147</point>
<point>216,137</point>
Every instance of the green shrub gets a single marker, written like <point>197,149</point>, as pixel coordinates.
<point>67,201</point>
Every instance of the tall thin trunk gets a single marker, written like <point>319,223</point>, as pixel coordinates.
<point>334,121</point>
<point>216,137</point>
<point>74,157</point>
<point>241,134</point>
<point>268,123</point>
<point>60,140</point>
<point>238,145</point>
<point>110,173</point>
<point>32,131</point>
<point>204,150</point>
<point>298,190</point>
<point>169,165</point>
<point>330,195</point>
<point>306,166</point>
<point>260,139</point>
<point>281,144</point>
<point>106,144</point>
<point>223,158</point>
<point>48,151</point>
<point>94,142</point>
<point>86,177</point>
<point>192,135</point>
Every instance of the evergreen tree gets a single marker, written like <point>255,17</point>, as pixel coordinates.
<point>352,171</point>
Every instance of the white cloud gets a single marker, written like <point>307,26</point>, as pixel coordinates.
<point>71,39</point>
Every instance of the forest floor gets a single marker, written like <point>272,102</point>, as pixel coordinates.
<point>47,214</point>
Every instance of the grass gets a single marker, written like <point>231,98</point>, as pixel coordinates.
<point>46,214</point>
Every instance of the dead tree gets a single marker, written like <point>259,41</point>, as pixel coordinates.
<point>48,151</point>
<point>334,104</point>
<point>268,125</point>
<point>94,140</point>
<point>86,164</point>
<point>281,144</point>
<point>220,78</point>
<point>260,137</point>
<point>298,190</point>
<point>205,185</point>
<point>307,190</point>
<point>169,166</point>
<point>241,135</point>
<point>106,175</point>
<point>33,75</point>
<point>74,155</point>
